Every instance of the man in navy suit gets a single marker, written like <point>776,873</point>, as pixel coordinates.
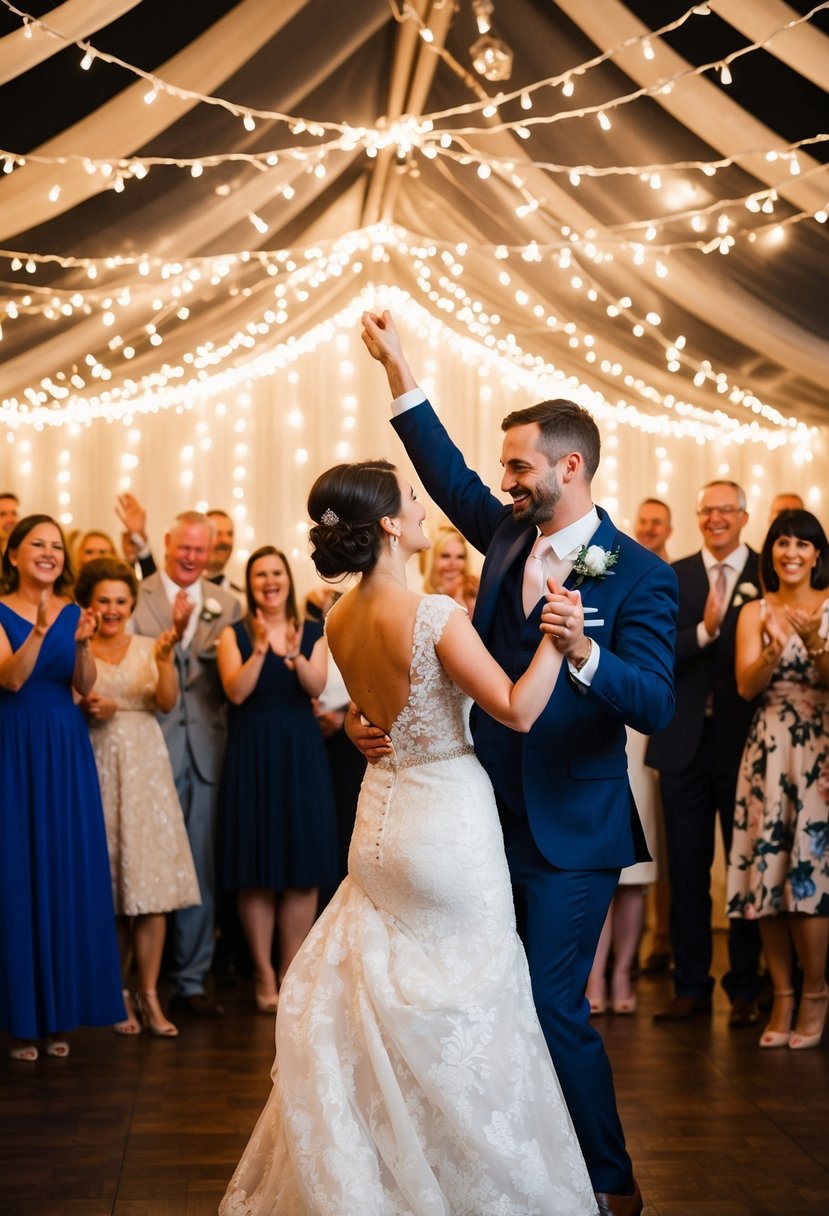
<point>569,819</point>
<point>698,755</point>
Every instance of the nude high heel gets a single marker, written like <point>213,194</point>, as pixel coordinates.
<point>153,1018</point>
<point>797,1041</point>
<point>779,1038</point>
<point>131,1026</point>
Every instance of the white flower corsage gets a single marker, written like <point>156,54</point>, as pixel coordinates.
<point>593,562</point>
<point>744,593</point>
<point>211,609</point>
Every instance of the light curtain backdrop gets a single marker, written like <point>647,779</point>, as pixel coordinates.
<point>256,448</point>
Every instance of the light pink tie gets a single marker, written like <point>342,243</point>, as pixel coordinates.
<point>533,586</point>
<point>718,570</point>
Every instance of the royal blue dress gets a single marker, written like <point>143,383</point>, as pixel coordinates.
<point>59,965</point>
<point>278,824</point>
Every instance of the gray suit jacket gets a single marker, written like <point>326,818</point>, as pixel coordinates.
<point>198,722</point>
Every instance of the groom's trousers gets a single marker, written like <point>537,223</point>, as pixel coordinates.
<point>560,914</point>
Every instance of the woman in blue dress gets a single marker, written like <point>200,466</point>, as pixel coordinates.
<point>279,836</point>
<point>58,954</point>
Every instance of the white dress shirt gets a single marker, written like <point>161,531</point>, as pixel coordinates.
<point>733,566</point>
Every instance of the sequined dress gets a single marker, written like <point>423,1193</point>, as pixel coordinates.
<point>411,1075</point>
<point>149,854</point>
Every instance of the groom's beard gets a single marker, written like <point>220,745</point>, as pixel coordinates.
<point>544,499</point>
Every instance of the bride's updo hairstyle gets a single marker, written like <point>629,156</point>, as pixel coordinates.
<point>347,504</point>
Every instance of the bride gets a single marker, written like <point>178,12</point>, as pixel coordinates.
<point>411,1075</point>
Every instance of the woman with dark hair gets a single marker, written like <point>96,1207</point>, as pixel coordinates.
<point>149,854</point>
<point>58,954</point>
<point>411,1074</point>
<point>779,864</point>
<point>279,837</point>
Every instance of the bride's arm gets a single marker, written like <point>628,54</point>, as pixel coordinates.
<point>471,666</point>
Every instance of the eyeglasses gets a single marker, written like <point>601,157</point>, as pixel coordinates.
<point>707,512</point>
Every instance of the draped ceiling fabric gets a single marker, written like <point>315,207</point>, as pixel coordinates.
<point>515,282</point>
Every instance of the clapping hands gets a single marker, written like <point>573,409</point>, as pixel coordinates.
<point>87,623</point>
<point>807,625</point>
<point>773,635</point>
<point>182,611</point>
<point>165,645</point>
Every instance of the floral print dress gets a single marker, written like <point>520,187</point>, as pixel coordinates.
<point>780,849</point>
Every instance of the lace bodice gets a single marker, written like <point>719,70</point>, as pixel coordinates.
<point>433,725</point>
<point>131,683</point>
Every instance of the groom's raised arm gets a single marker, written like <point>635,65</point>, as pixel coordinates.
<point>450,483</point>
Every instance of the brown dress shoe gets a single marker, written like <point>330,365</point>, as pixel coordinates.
<point>201,1006</point>
<point>682,1007</point>
<point>743,1013</point>
<point>620,1205</point>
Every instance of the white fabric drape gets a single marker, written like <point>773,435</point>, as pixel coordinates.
<point>77,19</point>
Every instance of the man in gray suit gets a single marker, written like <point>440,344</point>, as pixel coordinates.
<point>195,730</point>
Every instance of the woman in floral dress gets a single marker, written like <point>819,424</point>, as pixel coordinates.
<point>779,864</point>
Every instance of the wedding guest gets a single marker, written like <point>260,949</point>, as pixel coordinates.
<point>786,501</point>
<point>149,855</point>
<point>90,545</point>
<point>278,829</point>
<point>195,730</point>
<point>779,867</point>
<point>345,762</point>
<point>623,925</point>
<point>9,513</point>
<point>698,755</point>
<point>446,568</point>
<point>58,953</point>
<point>220,553</point>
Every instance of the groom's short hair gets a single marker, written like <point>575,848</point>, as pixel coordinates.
<point>565,427</point>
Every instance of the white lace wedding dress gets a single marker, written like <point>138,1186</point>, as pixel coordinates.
<point>411,1075</point>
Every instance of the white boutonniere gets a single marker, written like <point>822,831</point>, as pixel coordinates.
<point>744,593</point>
<point>593,562</point>
<point>211,609</point>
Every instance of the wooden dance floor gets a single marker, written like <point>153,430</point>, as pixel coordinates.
<point>147,1127</point>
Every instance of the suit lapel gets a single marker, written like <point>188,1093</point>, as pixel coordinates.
<point>156,599</point>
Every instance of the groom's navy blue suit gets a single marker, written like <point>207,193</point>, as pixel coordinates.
<point>570,823</point>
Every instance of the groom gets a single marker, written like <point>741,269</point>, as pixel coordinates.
<point>568,815</point>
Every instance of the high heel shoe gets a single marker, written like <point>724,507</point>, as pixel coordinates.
<point>266,1004</point>
<point>26,1053</point>
<point>598,1004</point>
<point>58,1048</point>
<point>779,1038</point>
<point>798,1041</point>
<point>153,1019</point>
<point>624,1005</point>
<point>131,1026</point>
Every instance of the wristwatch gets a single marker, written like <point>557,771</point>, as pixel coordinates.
<point>581,663</point>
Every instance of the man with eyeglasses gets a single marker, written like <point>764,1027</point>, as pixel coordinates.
<point>698,756</point>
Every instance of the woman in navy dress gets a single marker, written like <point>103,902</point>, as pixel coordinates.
<point>279,836</point>
<point>58,954</point>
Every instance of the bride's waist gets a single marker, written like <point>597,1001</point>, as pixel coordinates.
<point>409,759</point>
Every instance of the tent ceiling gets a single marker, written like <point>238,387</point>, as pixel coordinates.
<point>756,317</point>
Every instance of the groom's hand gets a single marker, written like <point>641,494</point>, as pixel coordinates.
<point>562,617</point>
<point>371,741</point>
<point>382,342</point>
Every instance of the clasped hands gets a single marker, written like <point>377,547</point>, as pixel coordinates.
<point>562,618</point>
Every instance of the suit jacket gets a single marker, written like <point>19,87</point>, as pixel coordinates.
<point>705,676</point>
<point>569,773</point>
<point>198,721</point>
